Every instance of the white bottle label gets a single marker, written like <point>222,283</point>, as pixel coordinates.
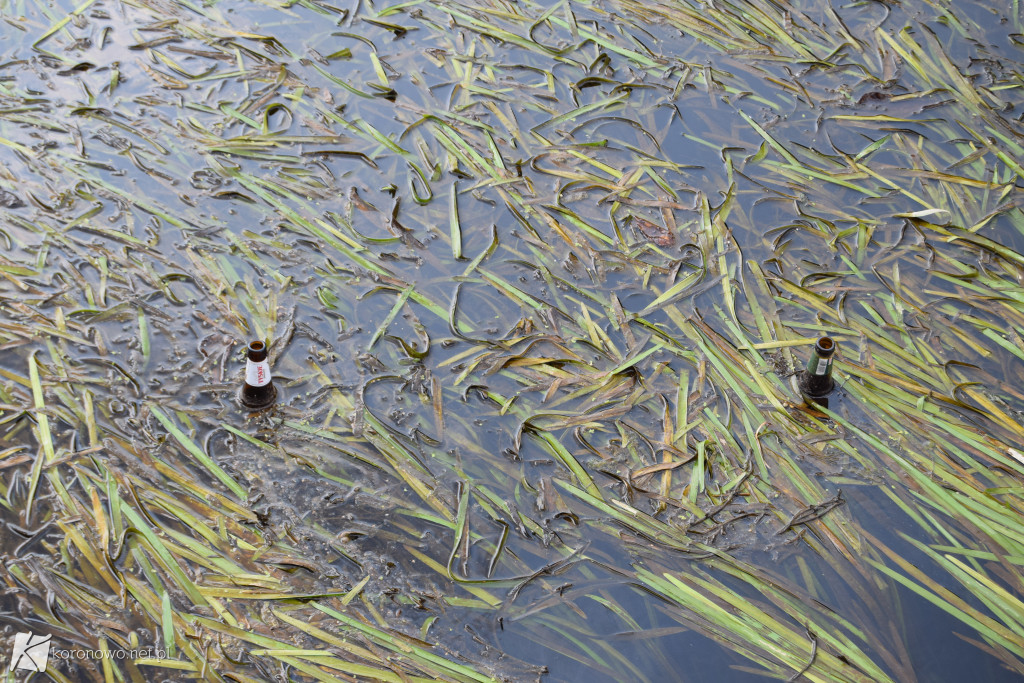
<point>823,364</point>
<point>257,374</point>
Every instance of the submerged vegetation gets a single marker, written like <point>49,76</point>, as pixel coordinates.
<point>535,281</point>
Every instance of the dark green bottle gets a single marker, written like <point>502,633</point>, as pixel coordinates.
<point>817,382</point>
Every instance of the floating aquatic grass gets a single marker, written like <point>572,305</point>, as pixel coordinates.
<point>535,282</point>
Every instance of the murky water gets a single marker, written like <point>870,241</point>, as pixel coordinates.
<point>500,438</point>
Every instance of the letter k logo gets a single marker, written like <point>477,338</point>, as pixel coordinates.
<point>30,652</point>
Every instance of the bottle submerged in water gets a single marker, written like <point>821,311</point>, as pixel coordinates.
<point>259,390</point>
<point>816,382</point>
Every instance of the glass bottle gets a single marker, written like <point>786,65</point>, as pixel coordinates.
<point>259,390</point>
<point>817,382</point>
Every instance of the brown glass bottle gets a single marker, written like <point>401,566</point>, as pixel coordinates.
<point>259,390</point>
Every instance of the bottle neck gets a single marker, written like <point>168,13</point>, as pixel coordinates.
<point>257,374</point>
<point>820,366</point>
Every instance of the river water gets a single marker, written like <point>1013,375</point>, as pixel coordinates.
<point>536,279</point>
